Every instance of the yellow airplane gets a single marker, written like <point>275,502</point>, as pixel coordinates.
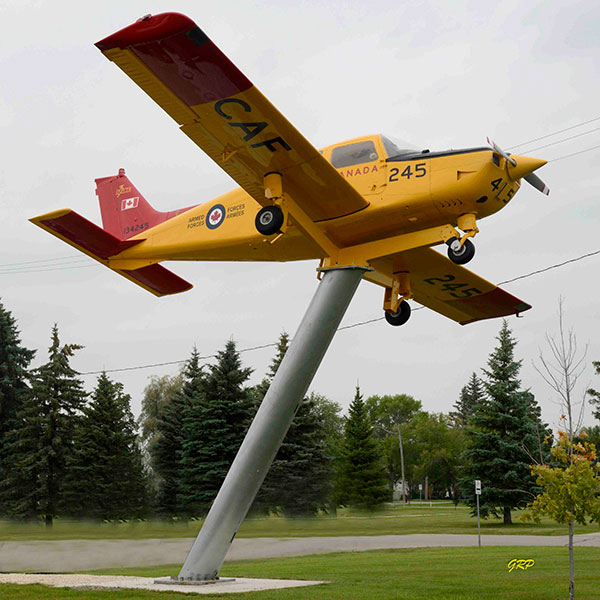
<point>368,201</point>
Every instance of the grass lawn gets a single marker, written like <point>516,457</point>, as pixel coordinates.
<point>397,519</point>
<point>426,573</point>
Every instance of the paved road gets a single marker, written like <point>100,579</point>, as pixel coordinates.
<point>74,555</point>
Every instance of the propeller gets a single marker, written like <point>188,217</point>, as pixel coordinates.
<point>523,167</point>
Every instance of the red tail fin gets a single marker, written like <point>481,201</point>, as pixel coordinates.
<point>124,210</point>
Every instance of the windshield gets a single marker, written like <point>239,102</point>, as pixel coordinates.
<point>395,146</point>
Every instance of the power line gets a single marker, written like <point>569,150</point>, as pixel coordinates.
<point>34,270</point>
<point>45,260</point>
<point>555,133</point>
<point>574,154</point>
<point>562,264</point>
<point>360,323</point>
<point>572,137</point>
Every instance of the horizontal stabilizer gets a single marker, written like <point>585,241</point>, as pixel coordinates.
<point>98,244</point>
<point>82,234</point>
<point>157,279</point>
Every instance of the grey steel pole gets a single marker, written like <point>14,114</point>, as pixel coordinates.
<point>266,433</point>
<point>478,525</point>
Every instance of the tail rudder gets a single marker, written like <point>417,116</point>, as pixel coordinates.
<point>125,212</point>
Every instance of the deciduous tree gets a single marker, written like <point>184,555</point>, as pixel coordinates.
<point>389,414</point>
<point>168,439</point>
<point>570,490</point>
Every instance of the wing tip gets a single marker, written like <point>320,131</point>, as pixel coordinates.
<point>55,214</point>
<point>147,29</point>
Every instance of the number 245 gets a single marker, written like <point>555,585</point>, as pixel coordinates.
<point>420,171</point>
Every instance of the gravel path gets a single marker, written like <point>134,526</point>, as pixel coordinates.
<point>75,555</point>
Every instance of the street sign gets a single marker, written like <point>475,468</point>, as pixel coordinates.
<point>420,487</point>
<point>478,487</point>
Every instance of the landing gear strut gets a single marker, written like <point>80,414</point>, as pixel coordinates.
<point>401,316</point>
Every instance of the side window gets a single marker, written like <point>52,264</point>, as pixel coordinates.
<point>353,154</point>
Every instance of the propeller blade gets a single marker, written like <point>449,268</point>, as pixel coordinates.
<point>537,183</point>
<point>501,152</point>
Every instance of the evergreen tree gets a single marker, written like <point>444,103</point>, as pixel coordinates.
<point>470,395</point>
<point>282,347</point>
<point>192,471</point>
<point>505,436</point>
<point>14,362</point>
<point>363,480</point>
<point>105,477</point>
<point>594,394</point>
<point>214,429</point>
<point>42,441</point>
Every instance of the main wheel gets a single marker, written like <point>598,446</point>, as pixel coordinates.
<point>269,220</point>
<point>400,317</point>
<point>458,254</point>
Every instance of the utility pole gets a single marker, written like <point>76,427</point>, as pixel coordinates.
<point>402,464</point>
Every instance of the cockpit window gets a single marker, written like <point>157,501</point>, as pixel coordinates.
<point>353,154</point>
<point>397,147</point>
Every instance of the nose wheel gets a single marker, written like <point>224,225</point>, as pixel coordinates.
<point>269,220</point>
<point>401,316</point>
<point>458,254</point>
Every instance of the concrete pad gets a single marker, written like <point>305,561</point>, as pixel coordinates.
<point>87,582</point>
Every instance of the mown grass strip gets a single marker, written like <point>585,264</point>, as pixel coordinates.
<point>439,518</point>
<point>415,574</point>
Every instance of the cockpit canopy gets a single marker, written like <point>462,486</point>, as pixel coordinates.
<point>363,151</point>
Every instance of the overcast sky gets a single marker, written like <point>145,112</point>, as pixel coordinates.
<point>439,74</point>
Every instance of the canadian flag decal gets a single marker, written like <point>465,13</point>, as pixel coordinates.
<point>128,203</point>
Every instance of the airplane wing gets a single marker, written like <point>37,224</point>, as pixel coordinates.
<point>445,287</point>
<point>221,111</point>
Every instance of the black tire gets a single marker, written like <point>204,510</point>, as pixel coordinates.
<point>269,220</point>
<point>400,317</point>
<point>462,256</point>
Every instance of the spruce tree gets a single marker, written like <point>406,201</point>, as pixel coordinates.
<point>363,480</point>
<point>214,429</point>
<point>595,394</point>
<point>505,435</point>
<point>42,440</point>
<point>282,347</point>
<point>470,395</point>
<point>14,362</point>
<point>192,471</point>
<point>105,476</point>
